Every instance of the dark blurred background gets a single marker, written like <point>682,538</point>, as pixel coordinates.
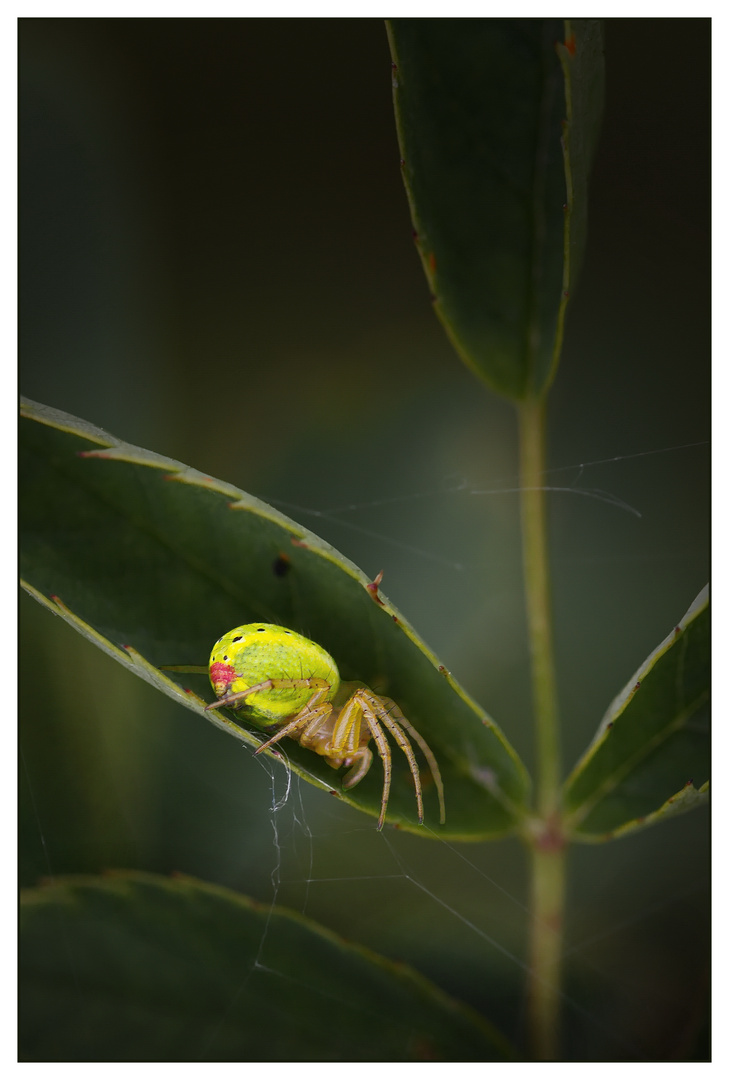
<point>216,263</point>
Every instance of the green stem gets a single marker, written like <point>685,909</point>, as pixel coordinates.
<point>548,866</point>
<point>538,602</point>
<point>545,972</point>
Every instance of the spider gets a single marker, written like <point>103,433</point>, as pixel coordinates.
<point>281,678</point>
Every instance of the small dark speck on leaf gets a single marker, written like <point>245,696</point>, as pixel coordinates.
<point>281,565</point>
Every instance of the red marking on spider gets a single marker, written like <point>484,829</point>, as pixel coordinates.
<point>373,588</point>
<point>299,543</point>
<point>221,676</point>
<point>571,45</point>
<point>431,262</point>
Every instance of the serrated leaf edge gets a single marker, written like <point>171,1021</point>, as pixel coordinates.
<point>688,798</point>
<point>622,700</point>
<point>114,449</point>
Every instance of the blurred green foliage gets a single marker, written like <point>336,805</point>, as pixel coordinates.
<point>488,136</point>
<point>216,262</point>
<point>148,558</point>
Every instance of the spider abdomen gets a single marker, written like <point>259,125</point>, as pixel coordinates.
<point>283,680</point>
<point>258,652</point>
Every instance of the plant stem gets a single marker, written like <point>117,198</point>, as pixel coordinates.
<point>548,866</point>
<point>545,970</point>
<point>538,604</point>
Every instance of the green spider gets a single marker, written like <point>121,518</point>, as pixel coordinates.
<point>283,680</point>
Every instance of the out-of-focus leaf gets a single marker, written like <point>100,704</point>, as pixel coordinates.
<point>499,209</point>
<point>136,967</point>
<point>583,62</point>
<point>153,561</point>
<point>653,741</point>
<point>688,798</point>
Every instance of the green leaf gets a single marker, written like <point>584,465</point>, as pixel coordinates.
<point>583,64</point>
<point>688,798</point>
<point>651,743</point>
<point>136,967</point>
<point>153,561</point>
<point>481,106</point>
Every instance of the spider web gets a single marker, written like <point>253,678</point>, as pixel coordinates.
<point>322,856</point>
<point>460,913</point>
<point>475,898</point>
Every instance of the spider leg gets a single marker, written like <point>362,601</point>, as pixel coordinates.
<point>241,695</point>
<point>345,747</point>
<point>347,729</point>
<point>268,684</point>
<point>320,715</point>
<point>397,715</point>
<point>379,710</point>
<point>360,760</point>
<point>310,718</point>
<point>383,748</point>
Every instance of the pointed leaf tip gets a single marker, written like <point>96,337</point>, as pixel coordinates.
<point>655,731</point>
